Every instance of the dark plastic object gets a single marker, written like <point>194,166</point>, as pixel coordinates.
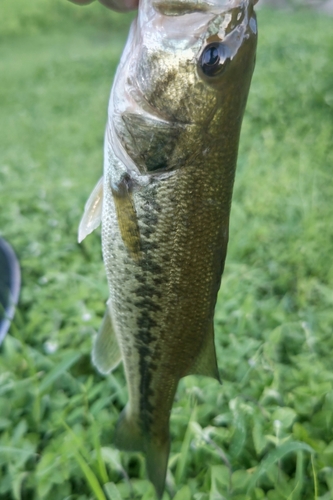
<point>10,282</point>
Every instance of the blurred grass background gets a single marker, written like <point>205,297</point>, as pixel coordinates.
<point>267,433</point>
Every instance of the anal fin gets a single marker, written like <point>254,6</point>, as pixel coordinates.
<point>206,363</point>
<point>106,354</point>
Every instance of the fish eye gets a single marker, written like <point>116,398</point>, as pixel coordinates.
<point>214,59</point>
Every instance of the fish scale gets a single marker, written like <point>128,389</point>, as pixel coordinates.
<point>182,300</point>
<point>171,146</point>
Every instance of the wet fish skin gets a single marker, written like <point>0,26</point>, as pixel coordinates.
<point>170,156</point>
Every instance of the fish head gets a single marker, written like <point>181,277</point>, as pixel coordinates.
<point>183,79</point>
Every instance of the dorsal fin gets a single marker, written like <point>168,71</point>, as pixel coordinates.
<point>92,215</point>
<point>206,363</point>
<point>106,354</point>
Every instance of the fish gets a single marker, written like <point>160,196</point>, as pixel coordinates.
<point>170,153</point>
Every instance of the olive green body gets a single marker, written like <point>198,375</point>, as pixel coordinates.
<point>165,231</point>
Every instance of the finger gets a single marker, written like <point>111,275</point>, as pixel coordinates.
<point>81,2</point>
<point>120,5</point>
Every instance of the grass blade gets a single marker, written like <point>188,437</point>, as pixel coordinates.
<point>101,465</point>
<point>296,493</point>
<point>275,456</point>
<point>68,360</point>
<point>183,494</point>
<point>15,451</point>
<point>315,480</point>
<point>90,476</point>
<point>77,441</point>
<point>112,491</point>
<point>184,449</point>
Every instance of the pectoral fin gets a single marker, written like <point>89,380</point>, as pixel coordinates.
<point>206,363</point>
<point>126,216</point>
<point>106,354</point>
<point>92,215</point>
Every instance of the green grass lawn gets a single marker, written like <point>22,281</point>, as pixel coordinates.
<point>267,432</point>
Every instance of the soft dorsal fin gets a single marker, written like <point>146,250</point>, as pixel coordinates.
<point>106,354</point>
<point>206,363</point>
<point>92,215</point>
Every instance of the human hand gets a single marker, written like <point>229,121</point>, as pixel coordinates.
<point>118,5</point>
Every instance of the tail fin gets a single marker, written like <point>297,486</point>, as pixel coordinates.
<point>157,455</point>
<point>129,437</point>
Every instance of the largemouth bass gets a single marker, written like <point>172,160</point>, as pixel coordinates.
<point>171,146</point>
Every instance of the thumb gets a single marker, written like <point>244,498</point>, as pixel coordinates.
<point>118,5</point>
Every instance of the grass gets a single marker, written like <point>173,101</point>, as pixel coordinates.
<point>267,433</point>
